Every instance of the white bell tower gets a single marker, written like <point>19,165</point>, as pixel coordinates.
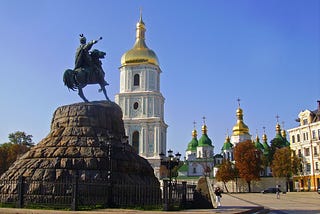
<point>141,100</point>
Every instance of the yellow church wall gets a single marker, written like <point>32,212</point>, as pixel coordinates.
<point>306,183</point>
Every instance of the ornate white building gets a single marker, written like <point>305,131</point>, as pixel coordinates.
<point>305,141</point>
<point>141,100</point>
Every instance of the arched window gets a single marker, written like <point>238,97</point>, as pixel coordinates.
<point>135,105</point>
<point>136,80</point>
<point>135,141</point>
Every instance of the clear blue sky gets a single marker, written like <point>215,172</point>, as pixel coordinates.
<point>267,53</point>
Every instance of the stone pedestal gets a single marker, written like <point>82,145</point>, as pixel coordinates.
<point>81,138</point>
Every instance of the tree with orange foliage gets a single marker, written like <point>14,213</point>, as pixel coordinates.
<point>226,172</point>
<point>285,163</point>
<point>248,161</point>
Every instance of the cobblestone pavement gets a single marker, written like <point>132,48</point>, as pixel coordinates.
<point>230,205</point>
<point>290,203</point>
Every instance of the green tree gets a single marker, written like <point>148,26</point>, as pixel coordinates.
<point>275,144</point>
<point>248,161</point>
<point>21,138</point>
<point>19,143</point>
<point>285,163</point>
<point>226,172</point>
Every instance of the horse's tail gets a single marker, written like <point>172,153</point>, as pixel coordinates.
<point>69,79</point>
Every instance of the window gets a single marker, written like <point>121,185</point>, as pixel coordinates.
<point>315,152</point>
<point>314,134</point>
<point>135,105</point>
<point>194,170</point>
<point>318,134</point>
<point>299,153</point>
<point>135,141</point>
<point>317,166</point>
<point>308,167</point>
<point>307,152</point>
<point>136,80</point>
<point>305,122</point>
<point>293,139</point>
<point>298,137</point>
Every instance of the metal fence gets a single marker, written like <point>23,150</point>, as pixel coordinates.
<point>177,195</point>
<point>75,194</point>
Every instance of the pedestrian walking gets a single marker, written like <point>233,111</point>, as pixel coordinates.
<point>218,193</point>
<point>278,191</point>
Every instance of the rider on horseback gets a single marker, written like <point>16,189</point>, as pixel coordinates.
<point>83,59</point>
<point>88,69</point>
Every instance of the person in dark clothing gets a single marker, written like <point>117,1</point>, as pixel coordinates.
<point>218,192</point>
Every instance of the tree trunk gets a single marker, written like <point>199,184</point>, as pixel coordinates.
<point>249,185</point>
<point>225,186</point>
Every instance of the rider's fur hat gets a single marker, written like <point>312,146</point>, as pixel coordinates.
<point>82,39</point>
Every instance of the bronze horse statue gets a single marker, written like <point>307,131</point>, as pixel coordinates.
<point>80,77</point>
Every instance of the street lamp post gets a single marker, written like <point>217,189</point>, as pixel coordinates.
<point>169,162</point>
<point>109,171</point>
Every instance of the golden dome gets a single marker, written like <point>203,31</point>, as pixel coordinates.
<point>278,128</point>
<point>283,133</point>
<point>264,137</point>
<point>140,53</point>
<point>194,133</point>
<point>240,128</point>
<point>204,129</point>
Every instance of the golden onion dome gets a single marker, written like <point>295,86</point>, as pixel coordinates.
<point>194,133</point>
<point>240,128</point>
<point>140,53</point>
<point>264,138</point>
<point>283,133</point>
<point>278,128</point>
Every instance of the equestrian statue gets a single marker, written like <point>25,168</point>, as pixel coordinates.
<point>87,70</point>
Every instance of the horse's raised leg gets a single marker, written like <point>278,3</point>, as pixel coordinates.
<point>80,92</point>
<point>103,88</point>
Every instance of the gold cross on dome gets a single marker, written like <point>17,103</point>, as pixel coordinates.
<point>238,102</point>
<point>204,120</point>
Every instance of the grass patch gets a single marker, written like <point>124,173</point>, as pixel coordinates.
<point>8,205</point>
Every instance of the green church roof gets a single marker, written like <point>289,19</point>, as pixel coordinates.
<point>258,145</point>
<point>204,140</point>
<point>279,139</point>
<point>227,144</point>
<point>184,168</point>
<point>192,146</point>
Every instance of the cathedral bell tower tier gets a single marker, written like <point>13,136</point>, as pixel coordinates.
<point>141,100</point>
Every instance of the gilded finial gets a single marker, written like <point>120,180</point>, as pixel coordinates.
<point>204,127</point>
<point>278,128</point>
<point>141,14</point>
<point>264,136</point>
<point>194,132</point>
<point>283,131</point>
